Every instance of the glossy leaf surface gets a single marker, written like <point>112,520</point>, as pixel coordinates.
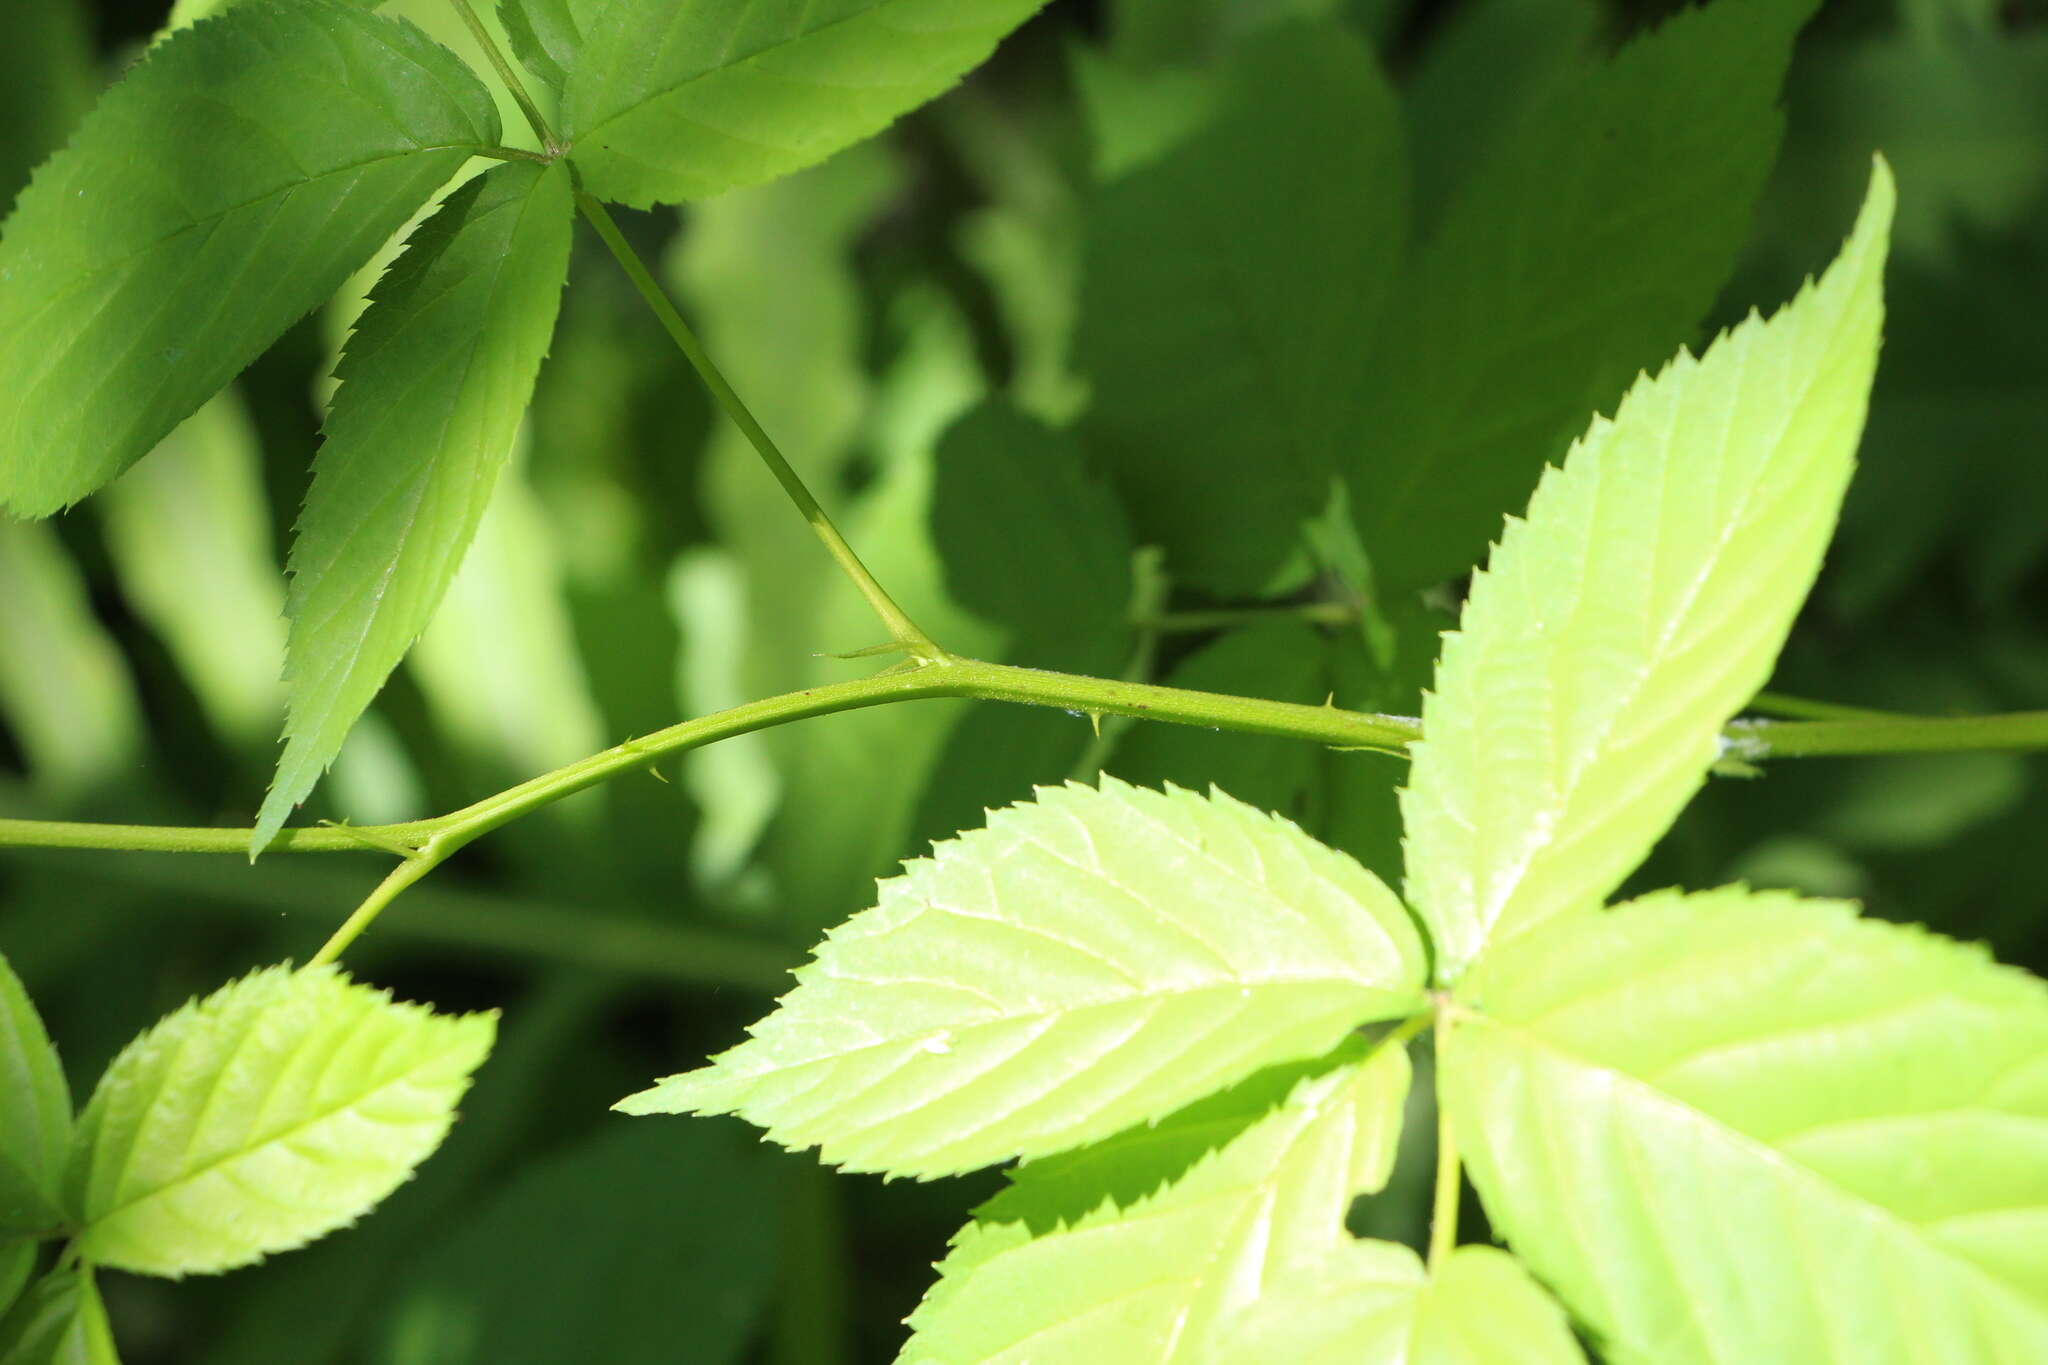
<point>675,101</point>
<point>226,186</point>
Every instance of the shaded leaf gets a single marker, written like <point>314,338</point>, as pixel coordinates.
<point>1642,603</point>
<point>17,1263</point>
<point>1089,960</point>
<point>35,1115</point>
<point>61,1321</point>
<point>272,1112</point>
<point>189,532</point>
<point>433,386</point>
<point>1231,293</point>
<point>1141,1247</point>
<point>1537,301</point>
<point>642,1246</point>
<point>226,186</point>
<point>65,688</point>
<point>668,102</point>
<point>1737,1126</point>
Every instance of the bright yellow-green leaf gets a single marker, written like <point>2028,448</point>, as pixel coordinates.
<point>1143,1247</point>
<point>1374,1304</point>
<point>1091,959</point>
<point>272,1112</point>
<point>1642,603</point>
<point>1739,1127</point>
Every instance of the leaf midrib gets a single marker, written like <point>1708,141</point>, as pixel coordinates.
<point>1769,1155</point>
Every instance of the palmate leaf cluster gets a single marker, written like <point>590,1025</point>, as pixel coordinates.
<point>1208,306</point>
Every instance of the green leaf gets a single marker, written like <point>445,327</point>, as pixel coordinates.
<point>65,687</point>
<point>433,386</point>
<point>1232,291</point>
<point>35,1115</point>
<point>50,82</point>
<point>683,100</point>
<point>272,1112</point>
<point>228,185</point>
<point>1092,959</point>
<point>1642,603</point>
<point>59,1322</point>
<point>17,1263</point>
<point>189,532</point>
<point>645,1245</point>
<point>1738,1126</point>
<point>1141,1247</point>
<point>1374,1304</point>
<point>546,35</point>
<point>1538,301</point>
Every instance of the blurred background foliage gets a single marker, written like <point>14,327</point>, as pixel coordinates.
<point>945,329</point>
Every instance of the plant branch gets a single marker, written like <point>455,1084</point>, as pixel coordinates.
<point>1450,1174</point>
<point>1327,725</point>
<point>510,76</point>
<point>1757,740</point>
<point>901,628</point>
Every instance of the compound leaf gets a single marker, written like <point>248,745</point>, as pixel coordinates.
<point>228,185</point>
<point>272,1112</point>
<point>675,101</point>
<point>35,1115</point>
<point>1538,300</point>
<point>60,1321</point>
<point>1089,960</point>
<point>1375,1304</point>
<point>433,386</point>
<point>1739,1126</point>
<point>1231,297</point>
<point>1141,1247</point>
<point>1643,602</point>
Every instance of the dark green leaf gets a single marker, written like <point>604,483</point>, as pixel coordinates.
<point>49,84</point>
<point>649,1244</point>
<point>433,386</point>
<point>1587,246</point>
<point>1231,294</point>
<point>228,185</point>
<point>17,1263</point>
<point>59,1322</point>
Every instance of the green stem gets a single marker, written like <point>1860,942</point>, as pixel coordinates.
<point>956,677</point>
<point>514,154</point>
<point>1756,740</point>
<point>510,75</point>
<point>193,839</point>
<point>1450,1173</point>
<point>402,876</point>
<point>901,628</point>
